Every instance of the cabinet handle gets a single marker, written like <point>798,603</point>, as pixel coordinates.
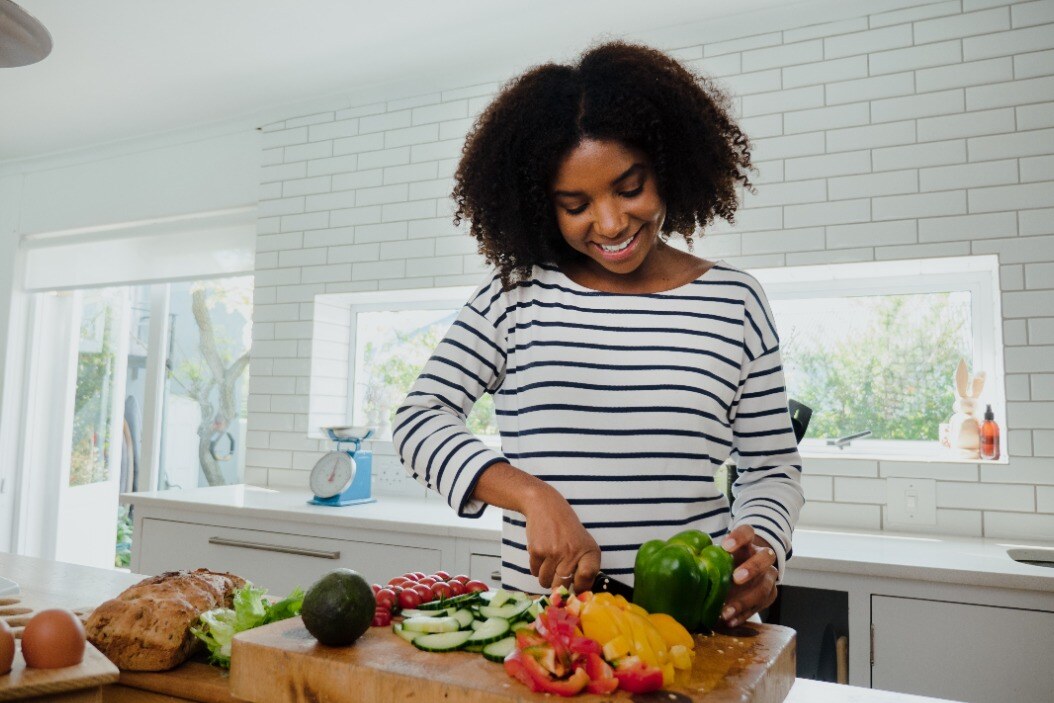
<point>495,575</point>
<point>224,542</point>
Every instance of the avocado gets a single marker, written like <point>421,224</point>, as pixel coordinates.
<point>338,607</point>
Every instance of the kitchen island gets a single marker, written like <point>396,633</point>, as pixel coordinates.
<point>74,586</point>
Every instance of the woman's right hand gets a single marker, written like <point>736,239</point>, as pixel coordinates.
<point>562,552</point>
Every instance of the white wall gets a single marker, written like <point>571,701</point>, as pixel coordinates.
<point>919,130</point>
<point>178,174</point>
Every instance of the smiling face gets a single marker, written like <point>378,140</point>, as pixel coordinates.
<point>608,209</point>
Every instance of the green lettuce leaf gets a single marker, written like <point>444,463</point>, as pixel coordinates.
<point>217,627</point>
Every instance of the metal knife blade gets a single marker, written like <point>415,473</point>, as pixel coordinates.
<point>606,583</point>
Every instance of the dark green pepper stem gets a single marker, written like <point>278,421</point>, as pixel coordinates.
<point>686,577</point>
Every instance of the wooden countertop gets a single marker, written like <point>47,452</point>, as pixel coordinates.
<point>73,586</point>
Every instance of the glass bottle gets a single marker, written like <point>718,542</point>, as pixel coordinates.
<point>989,436</point>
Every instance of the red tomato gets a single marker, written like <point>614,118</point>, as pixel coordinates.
<point>476,586</point>
<point>461,578</point>
<point>638,677</point>
<point>385,598</point>
<point>375,588</point>
<point>412,575</point>
<point>409,599</point>
<point>399,581</point>
<point>381,618</point>
<point>441,576</point>
<point>419,574</point>
<point>456,587</point>
<point>441,591</point>
<point>427,581</point>
<point>424,591</point>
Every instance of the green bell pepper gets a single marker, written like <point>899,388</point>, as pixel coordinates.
<point>686,577</point>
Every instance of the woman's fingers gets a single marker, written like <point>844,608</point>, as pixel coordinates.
<point>762,559</point>
<point>587,569</point>
<point>746,599</point>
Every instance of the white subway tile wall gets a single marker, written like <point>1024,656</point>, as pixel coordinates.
<point>923,131</point>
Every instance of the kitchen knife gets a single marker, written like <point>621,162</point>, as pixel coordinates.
<point>605,583</point>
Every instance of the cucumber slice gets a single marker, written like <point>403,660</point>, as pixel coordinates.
<point>432,625</point>
<point>476,624</point>
<point>497,651</point>
<point>473,647</point>
<point>416,613</point>
<point>521,625</point>
<point>512,611</point>
<point>408,635</point>
<point>492,630</point>
<point>454,602</point>
<point>442,641</point>
<point>501,597</point>
<point>465,617</point>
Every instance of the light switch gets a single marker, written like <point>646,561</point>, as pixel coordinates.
<point>911,501</point>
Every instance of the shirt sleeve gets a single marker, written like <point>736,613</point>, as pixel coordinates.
<point>767,494</point>
<point>429,432</point>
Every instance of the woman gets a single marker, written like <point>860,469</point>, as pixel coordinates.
<point>624,371</point>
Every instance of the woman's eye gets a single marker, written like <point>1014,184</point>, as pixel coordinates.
<point>575,210</point>
<point>632,193</point>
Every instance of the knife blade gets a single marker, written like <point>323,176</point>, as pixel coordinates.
<point>608,584</point>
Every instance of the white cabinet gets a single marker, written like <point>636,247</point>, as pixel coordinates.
<point>966,652</point>
<point>277,561</point>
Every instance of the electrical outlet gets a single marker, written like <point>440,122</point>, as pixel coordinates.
<point>911,501</point>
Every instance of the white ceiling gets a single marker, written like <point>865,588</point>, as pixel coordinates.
<point>124,69</point>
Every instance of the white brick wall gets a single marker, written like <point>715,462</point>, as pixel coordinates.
<point>922,131</point>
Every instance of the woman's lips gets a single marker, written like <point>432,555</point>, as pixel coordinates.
<point>621,254</point>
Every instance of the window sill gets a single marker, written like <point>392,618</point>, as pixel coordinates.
<point>943,456</point>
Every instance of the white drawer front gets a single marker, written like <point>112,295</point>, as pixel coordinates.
<point>485,568</point>
<point>273,560</point>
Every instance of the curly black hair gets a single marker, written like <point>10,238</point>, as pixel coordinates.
<point>616,91</point>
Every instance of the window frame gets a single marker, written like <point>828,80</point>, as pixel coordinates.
<point>976,274</point>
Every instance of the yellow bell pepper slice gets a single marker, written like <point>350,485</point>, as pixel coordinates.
<point>680,657</point>
<point>672,631</point>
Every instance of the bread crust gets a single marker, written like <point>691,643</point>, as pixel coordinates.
<point>147,627</point>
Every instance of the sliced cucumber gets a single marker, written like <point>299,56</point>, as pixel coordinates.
<point>497,651</point>
<point>492,630</point>
<point>465,617</point>
<point>521,625</point>
<point>416,613</point>
<point>455,602</point>
<point>408,635</point>
<point>476,624</point>
<point>513,611</point>
<point>432,625</point>
<point>501,597</point>
<point>442,641</point>
<point>473,647</point>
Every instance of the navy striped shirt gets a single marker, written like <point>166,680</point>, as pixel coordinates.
<point>625,403</point>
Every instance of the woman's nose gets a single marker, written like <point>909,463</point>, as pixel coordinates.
<point>610,221</point>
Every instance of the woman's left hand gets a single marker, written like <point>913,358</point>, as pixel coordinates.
<point>754,580</point>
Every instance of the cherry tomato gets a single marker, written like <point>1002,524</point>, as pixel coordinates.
<point>441,576</point>
<point>456,587</point>
<point>399,581</point>
<point>461,578</point>
<point>385,598</point>
<point>427,581</point>
<point>476,586</point>
<point>409,599</point>
<point>441,591</point>
<point>375,588</point>
<point>381,618</point>
<point>423,591</point>
<point>419,574</point>
<point>412,575</point>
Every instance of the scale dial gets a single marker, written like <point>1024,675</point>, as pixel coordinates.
<point>332,474</point>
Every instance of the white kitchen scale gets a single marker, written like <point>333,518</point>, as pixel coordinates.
<point>342,477</point>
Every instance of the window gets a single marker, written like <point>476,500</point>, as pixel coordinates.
<point>391,337</point>
<point>874,347</point>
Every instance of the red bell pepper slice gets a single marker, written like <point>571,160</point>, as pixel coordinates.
<point>601,676</point>
<point>638,677</point>
<point>542,680</point>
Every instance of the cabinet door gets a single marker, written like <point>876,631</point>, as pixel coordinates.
<point>274,560</point>
<point>485,568</point>
<point>971,653</point>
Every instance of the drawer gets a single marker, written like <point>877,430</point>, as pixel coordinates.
<point>485,568</point>
<point>276,561</point>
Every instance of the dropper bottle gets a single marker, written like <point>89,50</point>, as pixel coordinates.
<point>989,436</point>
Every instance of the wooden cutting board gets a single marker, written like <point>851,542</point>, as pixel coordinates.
<point>83,682</point>
<point>283,663</point>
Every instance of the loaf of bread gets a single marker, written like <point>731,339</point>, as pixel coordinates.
<point>147,627</point>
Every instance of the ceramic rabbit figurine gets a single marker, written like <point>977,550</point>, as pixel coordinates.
<point>963,429</point>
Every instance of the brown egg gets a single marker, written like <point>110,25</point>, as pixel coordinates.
<point>53,639</point>
<point>7,647</point>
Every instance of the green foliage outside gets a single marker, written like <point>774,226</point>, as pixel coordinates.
<point>392,369</point>
<point>895,379</point>
<point>123,558</point>
<point>92,396</point>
